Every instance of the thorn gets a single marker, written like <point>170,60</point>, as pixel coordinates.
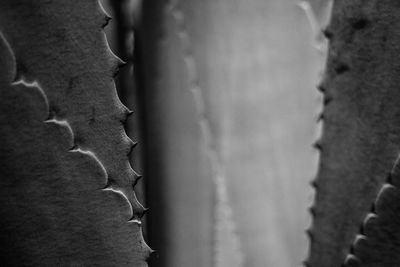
<point>126,113</point>
<point>135,221</point>
<point>115,73</point>
<point>306,263</point>
<point>322,86</point>
<point>122,63</point>
<point>352,249</point>
<point>50,116</point>
<point>390,179</point>
<point>312,211</point>
<point>321,117</point>
<point>327,99</point>
<point>20,72</point>
<point>74,147</point>
<point>132,145</point>
<point>372,209</point>
<point>138,215</point>
<point>137,179</point>
<point>351,260</point>
<point>151,254</point>
<point>110,182</point>
<point>143,212</point>
<point>314,183</point>
<point>361,229</point>
<point>107,19</point>
<point>317,145</point>
<point>327,33</point>
<point>118,65</point>
<point>53,110</point>
<point>310,234</point>
<point>359,238</point>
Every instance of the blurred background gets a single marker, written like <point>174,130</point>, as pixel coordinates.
<point>226,112</point>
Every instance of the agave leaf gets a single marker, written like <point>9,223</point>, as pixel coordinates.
<point>361,134</point>
<point>67,196</point>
